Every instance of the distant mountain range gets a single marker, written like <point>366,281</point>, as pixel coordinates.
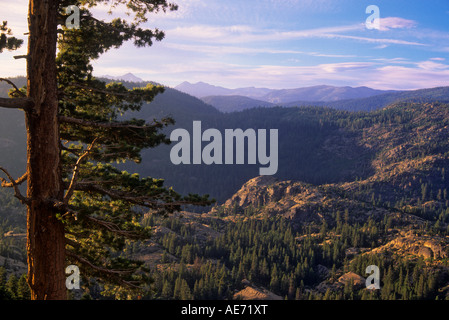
<point>345,98</point>
<point>276,96</point>
<point>235,103</point>
<point>202,89</point>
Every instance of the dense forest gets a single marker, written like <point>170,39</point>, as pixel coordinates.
<point>271,254</point>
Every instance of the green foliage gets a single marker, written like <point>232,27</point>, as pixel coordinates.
<point>7,41</point>
<point>12,287</point>
<point>289,261</point>
<point>104,205</point>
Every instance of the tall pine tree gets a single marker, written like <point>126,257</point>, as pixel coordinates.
<point>80,207</point>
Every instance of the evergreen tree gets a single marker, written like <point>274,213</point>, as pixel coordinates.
<point>3,292</point>
<point>23,290</point>
<point>11,286</point>
<point>80,207</point>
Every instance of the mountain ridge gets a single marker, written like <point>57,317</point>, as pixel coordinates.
<point>312,93</point>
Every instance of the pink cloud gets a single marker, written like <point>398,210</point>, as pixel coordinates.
<point>396,23</point>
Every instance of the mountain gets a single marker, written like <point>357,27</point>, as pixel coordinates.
<point>234,103</point>
<point>386,99</point>
<point>202,89</point>
<point>129,77</point>
<point>319,93</point>
<point>276,96</point>
<point>343,98</point>
<point>12,133</point>
<point>276,238</point>
<point>409,162</point>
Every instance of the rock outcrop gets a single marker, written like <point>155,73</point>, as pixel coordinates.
<point>420,245</point>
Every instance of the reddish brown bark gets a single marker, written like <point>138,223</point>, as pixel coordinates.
<point>46,240</point>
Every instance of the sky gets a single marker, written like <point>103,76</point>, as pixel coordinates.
<point>278,44</point>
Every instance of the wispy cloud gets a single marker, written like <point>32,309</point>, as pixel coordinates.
<point>389,23</point>
<point>382,41</point>
<point>216,50</point>
<point>247,34</point>
<point>406,78</point>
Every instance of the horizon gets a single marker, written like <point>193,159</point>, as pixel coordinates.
<point>119,78</point>
<point>278,44</point>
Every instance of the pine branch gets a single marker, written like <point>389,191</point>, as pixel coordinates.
<point>23,56</point>
<point>105,125</point>
<point>112,272</point>
<point>117,195</point>
<point>120,94</point>
<point>17,193</point>
<point>71,188</point>
<point>98,268</point>
<point>112,227</point>
<point>59,205</point>
<point>19,181</point>
<point>17,90</point>
<point>17,103</point>
<point>72,151</point>
<point>72,243</point>
<point>144,201</point>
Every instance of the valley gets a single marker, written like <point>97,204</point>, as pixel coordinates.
<point>353,189</point>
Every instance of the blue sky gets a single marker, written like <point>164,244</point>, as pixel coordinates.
<point>281,44</point>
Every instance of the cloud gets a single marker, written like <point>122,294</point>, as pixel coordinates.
<point>389,23</point>
<point>375,40</point>
<point>218,49</point>
<point>308,5</point>
<point>432,65</point>
<point>245,34</point>
<point>417,75</point>
<point>210,33</point>
<point>248,34</point>
<point>344,67</point>
<point>15,12</point>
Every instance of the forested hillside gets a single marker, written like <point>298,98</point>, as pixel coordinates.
<point>277,239</point>
<point>353,189</point>
<point>316,144</point>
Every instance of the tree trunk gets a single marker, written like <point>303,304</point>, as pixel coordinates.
<point>45,233</point>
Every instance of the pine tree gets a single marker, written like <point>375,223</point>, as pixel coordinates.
<point>167,290</point>
<point>80,207</point>
<point>23,290</point>
<point>185,293</point>
<point>7,41</point>
<point>3,279</point>
<point>11,286</point>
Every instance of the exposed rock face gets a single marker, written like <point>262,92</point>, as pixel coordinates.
<point>351,277</point>
<point>438,248</point>
<point>425,246</point>
<point>294,200</point>
<point>250,193</point>
<point>251,292</point>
